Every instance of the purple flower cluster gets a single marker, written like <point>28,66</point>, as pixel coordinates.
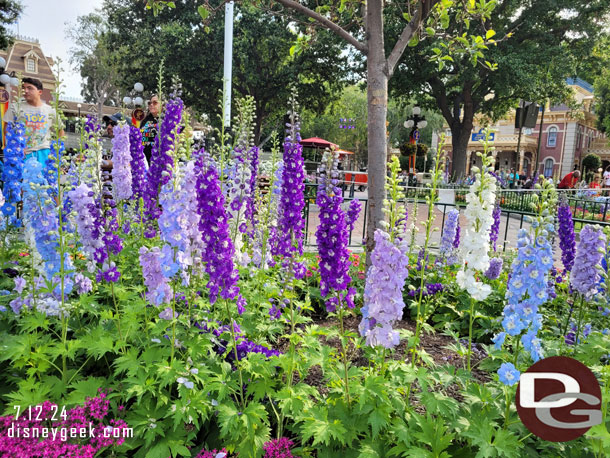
<point>352,214</point>
<point>161,163</point>
<point>219,251</point>
<point>250,214</point>
<point>332,232</point>
<point>278,448</point>
<point>383,301</point>
<point>429,290</point>
<point>290,220</point>
<point>585,275</point>
<point>138,163</point>
<point>567,241</point>
<point>121,163</point>
<point>12,172</point>
<point>495,227</point>
<point>112,243</point>
<point>456,241</point>
<point>495,268</point>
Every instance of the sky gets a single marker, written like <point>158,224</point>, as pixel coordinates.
<point>46,21</point>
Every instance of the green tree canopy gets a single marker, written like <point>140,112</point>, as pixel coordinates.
<point>10,10</point>
<point>263,66</point>
<point>540,43</point>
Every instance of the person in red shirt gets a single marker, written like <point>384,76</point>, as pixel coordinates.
<point>570,180</point>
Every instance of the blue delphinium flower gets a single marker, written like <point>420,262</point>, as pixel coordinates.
<point>12,171</point>
<point>41,216</point>
<point>509,375</point>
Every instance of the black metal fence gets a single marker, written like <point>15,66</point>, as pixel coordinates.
<point>515,205</point>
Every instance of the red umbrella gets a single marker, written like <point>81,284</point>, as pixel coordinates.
<point>316,142</point>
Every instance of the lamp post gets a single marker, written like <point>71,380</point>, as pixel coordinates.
<point>78,105</point>
<point>415,122</point>
<point>135,99</point>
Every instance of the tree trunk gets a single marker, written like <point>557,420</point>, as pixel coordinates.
<point>377,99</point>
<point>460,136</point>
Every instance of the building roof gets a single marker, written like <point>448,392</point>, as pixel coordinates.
<point>580,83</point>
<point>22,48</point>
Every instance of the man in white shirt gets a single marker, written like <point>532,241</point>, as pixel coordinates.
<point>39,119</point>
<point>607,177</point>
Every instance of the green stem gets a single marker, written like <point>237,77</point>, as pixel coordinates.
<point>581,312</point>
<point>471,322</point>
<point>343,349</point>
<point>116,309</point>
<point>237,362</point>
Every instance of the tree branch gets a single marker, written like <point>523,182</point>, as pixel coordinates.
<point>440,94</point>
<point>403,41</point>
<point>330,25</point>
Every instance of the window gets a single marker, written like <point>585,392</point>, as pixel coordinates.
<point>548,168</point>
<point>551,139</point>
<point>30,65</point>
<point>579,137</point>
<point>589,139</point>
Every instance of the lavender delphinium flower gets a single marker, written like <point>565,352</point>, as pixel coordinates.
<point>88,221</point>
<point>566,235</point>
<point>585,276</point>
<point>121,160</point>
<point>495,228</point>
<point>383,301</point>
<point>214,227</point>
<point>12,171</point>
<point>138,163</point>
<point>331,234</point>
<point>495,268</point>
<point>161,162</point>
<point>159,292</point>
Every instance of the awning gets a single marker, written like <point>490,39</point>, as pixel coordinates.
<point>317,142</point>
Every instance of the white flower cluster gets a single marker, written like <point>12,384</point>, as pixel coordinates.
<point>474,244</point>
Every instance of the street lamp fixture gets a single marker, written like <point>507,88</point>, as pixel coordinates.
<point>415,123</point>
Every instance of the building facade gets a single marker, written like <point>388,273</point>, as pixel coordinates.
<point>567,137</point>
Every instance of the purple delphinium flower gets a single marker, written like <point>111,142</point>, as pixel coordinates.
<point>429,290</point>
<point>566,235</point>
<point>290,212</point>
<point>585,276</point>
<point>219,251</point>
<point>501,182</point>
<point>161,162</point>
<point>495,268</point>
<point>495,228</point>
<point>82,284</point>
<point>121,164</point>
<point>352,213</point>
<point>12,171</point>
<point>383,301</point>
<point>332,234</point>
<point>112,244</point>
<point>138,163</point>
<point>456,241</point>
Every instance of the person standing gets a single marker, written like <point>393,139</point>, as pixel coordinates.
<point>606,180</point>
<point>39,119</point>
<point>149,126</point>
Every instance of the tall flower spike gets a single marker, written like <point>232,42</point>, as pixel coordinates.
<point>585,275</point>
<point>567,241</point>
<point>332,233</point>
<point>447,249</point>
<point>474,247</point>
<point>219,251</point>
<point>12,172</point>
<point>121,158</point>
<point>385,280</point>
<point>291,223</point>
<point>138,163</point>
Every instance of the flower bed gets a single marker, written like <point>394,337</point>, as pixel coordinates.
<point>179,306</point>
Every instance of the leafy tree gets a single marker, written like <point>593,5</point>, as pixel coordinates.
<point>361,25</point>
<point>10,10</point>
<point>263,66</point>
<point>602,101</point>
<point>98,62</point>
<point>590,163</point>
<point>544,41</point>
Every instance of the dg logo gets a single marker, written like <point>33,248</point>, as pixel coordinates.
<point>559,399</point>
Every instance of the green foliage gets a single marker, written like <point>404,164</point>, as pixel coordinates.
<point>10,11</point>
<point>591,162</point>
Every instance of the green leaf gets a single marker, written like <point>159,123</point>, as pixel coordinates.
<point>413,41</point>
<point>203,12</point>
<point>407,17</point>
<point>490,33</point>
<point>430,31</point>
